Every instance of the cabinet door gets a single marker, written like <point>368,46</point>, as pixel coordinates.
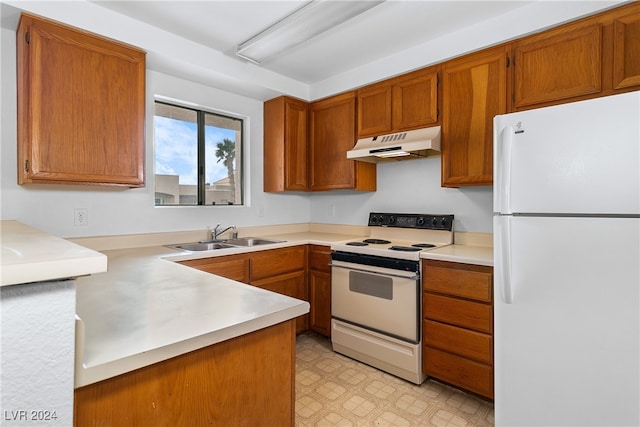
<point>474,90</point>
<point>557,65</point>
<point>415,100</point>
<point>81,107</point>
<point>320,258</point>
<point>332,123</point>
<point>320,289</point>
<point>626,51</point>
<point>320,302</point>
<point>285,145</point>
<point>290,284</point>
<point>401,103</point>
<point>374,110</point>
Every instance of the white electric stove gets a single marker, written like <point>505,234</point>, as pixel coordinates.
<point>376,291</point>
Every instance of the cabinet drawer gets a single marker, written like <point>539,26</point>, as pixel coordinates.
<point>277,261</point>
<point>462,280</point>
<point>463,342</point>
<point>235,267</point>
<point>472,315</point>
<point>470,375</point>
<point>319,258</point>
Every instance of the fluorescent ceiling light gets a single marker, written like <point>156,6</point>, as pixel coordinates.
<point>311,19</point>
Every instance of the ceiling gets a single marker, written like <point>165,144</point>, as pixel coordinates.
<point>197,40</point>
<point>386,29</point>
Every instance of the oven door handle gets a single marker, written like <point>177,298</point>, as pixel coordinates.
<point>362,270</point>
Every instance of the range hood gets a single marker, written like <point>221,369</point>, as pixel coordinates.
<point>413,144</point>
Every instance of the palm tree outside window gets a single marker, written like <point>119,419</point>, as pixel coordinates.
<point>198,157</point>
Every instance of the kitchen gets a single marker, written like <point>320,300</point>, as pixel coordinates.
<point>131,212</point>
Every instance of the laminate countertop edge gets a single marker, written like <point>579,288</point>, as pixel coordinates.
<point>465,254</point>
<point>30,255</point>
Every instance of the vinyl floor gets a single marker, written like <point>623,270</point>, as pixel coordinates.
<point>334,390</point>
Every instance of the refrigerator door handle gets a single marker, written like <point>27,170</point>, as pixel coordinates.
<point>503,184</point>
<point>505,259</point>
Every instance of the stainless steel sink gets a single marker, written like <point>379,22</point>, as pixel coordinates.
<point>251,241</point>
<point>224,244</point>
<point>201,246</point>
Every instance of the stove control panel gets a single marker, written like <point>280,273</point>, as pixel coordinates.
<point>423,221</point>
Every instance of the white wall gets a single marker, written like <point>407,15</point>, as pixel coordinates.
<point>131,211</point>
<point>411,186</point>
<point>405,186</point>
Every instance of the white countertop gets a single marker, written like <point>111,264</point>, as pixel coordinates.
<point>148,308</point>
<point>466,254</point>
<point>30,255</point>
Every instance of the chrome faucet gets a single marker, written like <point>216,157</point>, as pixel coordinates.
<point>215,233</point>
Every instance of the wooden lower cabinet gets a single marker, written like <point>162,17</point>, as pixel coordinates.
<point>244,381</point>
<point>457,325</point>
<point>282,270</point>
<point>320,289</point>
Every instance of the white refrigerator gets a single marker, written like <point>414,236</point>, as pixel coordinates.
<point>567,264</point>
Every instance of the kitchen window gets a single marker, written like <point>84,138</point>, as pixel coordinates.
<point>198,157</point>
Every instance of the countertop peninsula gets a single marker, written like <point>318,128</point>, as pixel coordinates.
<point>148,308</point>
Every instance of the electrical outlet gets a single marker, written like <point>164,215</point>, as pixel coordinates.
<point>260,211</point>
<point>80,217</point>
<point>332,210</point>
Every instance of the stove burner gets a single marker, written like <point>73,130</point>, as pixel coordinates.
<point>356,244</point>
<point>404,248</point>
<point>423,245</point>
<point>376,241</point>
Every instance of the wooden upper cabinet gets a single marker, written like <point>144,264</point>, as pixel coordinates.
<point>402,103</point>
<point>474,90</point>
<point>81,107</point>
<point>286,145</point>
<point>592,57</point>
<point>415,100</point>
<point>374,110</point>
<point>626,50</point>
<point>558,64</point>
<point>332,134</point>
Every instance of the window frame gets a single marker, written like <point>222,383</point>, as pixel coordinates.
<point>201,114</point>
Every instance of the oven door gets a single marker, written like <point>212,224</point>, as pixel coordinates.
<point>380,299</point>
